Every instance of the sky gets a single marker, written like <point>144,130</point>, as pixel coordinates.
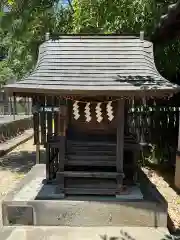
<point>6,9</point>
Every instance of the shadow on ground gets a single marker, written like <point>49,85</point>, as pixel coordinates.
<point>122,236</point>
<point>126,236</point>
<point>20,162</point>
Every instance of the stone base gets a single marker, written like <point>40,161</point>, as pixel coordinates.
<point>35,203</point>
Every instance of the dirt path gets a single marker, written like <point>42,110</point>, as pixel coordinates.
<point>15,165</point>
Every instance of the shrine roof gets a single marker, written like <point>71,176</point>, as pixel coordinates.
<point>95,64</point>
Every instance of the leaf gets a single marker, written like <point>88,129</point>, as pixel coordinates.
<point>10,2</point>
<point>1,14</point>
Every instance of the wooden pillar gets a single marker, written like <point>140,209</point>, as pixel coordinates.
<point>177,167</point>
<point>37,153</point>
<point>36,128</point>
<point>62,147</point>
<point>14,107</point>
<point>120,145</point>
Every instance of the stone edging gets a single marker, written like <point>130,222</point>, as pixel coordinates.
<point>8,146</point>
<point>170,223</point>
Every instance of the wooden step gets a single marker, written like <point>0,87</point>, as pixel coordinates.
<point>91,143</point>
<point>90,191</point>
<point>81,174</point>
<point>90,186</point>
<point>92,162</point>
<point>110,142</point>
<point>92,152</point>
<point>92,158</point>
<point>100,146</point>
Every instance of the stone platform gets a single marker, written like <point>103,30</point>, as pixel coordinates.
<point>35,203</point>
<point>84,233</point>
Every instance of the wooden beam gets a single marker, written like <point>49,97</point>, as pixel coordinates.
<point>35,121</point>
<point>49,118</point>
<point>48,155</point>
<point>14,106</point>
<point>120,144</point>
<point>37,153</point>
<point>42,101</point>
<point>177,168</point>
<point>62,146</point>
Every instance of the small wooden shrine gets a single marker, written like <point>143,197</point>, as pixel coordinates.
<point>81,88</point>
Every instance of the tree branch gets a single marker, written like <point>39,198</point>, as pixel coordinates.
<point>70,4</point>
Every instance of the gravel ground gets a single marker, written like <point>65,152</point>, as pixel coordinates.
<point>168,193</point>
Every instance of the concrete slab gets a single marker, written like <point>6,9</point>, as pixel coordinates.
<point>82,233</point>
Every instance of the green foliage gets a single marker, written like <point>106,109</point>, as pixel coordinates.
<point>6,72</point>
<point>23,28</point>
<point>125,16</point>
<point>128,16</point>
<point>167,59</point>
